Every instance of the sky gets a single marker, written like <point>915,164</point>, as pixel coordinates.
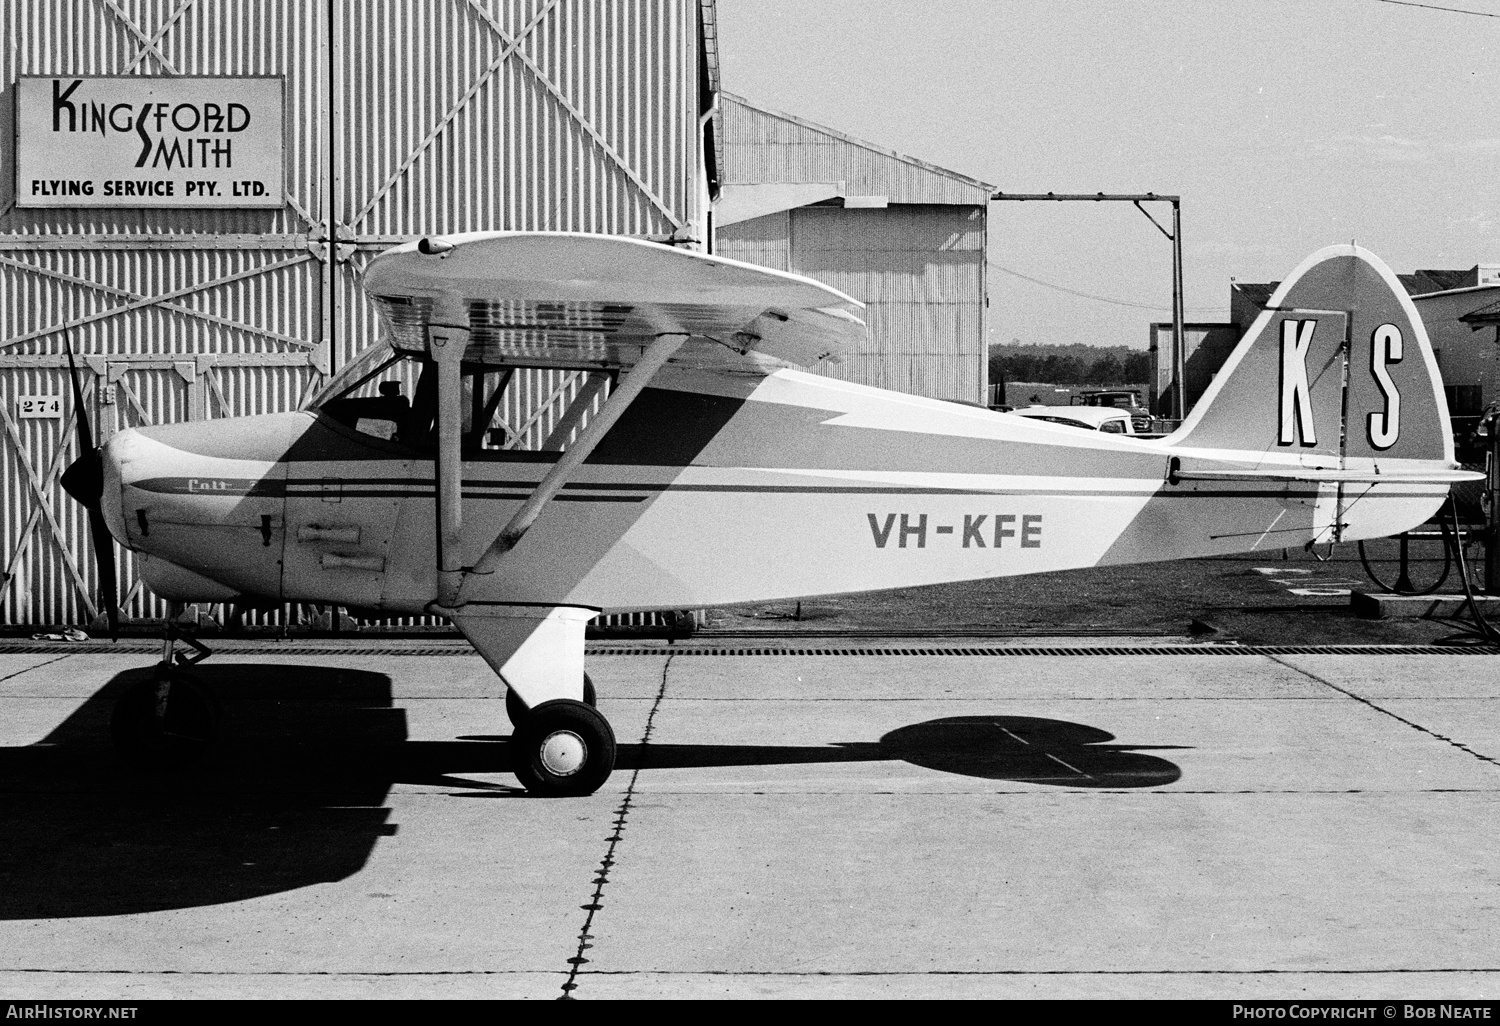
<point>1285,126</point>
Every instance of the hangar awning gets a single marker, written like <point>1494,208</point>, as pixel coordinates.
<point>746,201</point>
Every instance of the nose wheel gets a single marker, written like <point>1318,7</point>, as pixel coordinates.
<point>563,748</point>
<point>167,721</point>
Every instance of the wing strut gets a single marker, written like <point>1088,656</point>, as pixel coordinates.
<point>447,348</point>
<point>655,356</point>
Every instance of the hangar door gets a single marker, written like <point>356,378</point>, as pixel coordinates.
<point>401,120</point>
<point>174,314</point>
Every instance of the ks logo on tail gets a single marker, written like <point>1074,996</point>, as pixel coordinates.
<point>1382,428</point>
<point>1296,397</point>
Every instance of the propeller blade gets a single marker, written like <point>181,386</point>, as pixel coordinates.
<point>84,480</point>
<point>85,435</point>
<point>104,554</point>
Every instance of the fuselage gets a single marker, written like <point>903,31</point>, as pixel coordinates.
<point>710,490</point>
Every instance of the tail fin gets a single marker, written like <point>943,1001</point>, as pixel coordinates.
<point>1337,365</point>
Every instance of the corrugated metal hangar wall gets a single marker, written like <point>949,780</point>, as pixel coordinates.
<point>903,236</point>
<point>402,118</point>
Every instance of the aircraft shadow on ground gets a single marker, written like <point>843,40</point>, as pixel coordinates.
<point>295,793</point>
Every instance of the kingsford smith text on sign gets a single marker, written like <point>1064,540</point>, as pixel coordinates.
<point>134,141</point>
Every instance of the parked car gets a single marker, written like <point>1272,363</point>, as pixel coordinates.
<point>1090,418</point>
<point>1121,398</point>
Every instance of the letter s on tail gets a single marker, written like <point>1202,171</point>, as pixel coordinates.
<point>1281,392</point>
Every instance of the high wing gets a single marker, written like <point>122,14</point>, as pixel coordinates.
<point>570,299</point>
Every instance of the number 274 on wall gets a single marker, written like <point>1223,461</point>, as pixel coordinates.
<point>39,406</point>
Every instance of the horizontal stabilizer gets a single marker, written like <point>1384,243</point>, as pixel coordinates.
<point>1434,476</point>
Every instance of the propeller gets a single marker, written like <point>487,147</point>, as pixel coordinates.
<point>84,480</point>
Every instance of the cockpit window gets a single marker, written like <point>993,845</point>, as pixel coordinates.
<point>395,400</point>
<point>382,415</point>
<point>354,375</point>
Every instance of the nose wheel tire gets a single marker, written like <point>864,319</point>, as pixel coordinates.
<point>563,748</point>
<point>517,710</point>
<point>167,721</point>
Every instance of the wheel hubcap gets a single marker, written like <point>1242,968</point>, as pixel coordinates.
<point>563,753</point>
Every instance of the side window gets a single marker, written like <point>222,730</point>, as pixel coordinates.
<point>1113,427</point>
<point>380,415</point>
<point>485,426</point>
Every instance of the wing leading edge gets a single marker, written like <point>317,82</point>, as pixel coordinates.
<point>572,299</point>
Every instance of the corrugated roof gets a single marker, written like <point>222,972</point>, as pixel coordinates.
<point>764,146</point>
<point>1258,293</point>
<point>1420,283</point>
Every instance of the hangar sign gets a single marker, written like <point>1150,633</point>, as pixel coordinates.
<point>135,141</point>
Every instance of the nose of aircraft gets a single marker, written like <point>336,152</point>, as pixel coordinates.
<point>93,480</point>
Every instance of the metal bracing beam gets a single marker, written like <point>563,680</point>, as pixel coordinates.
<point>160,361</point>
<point>574,414</point>
<point>1092,197</point>
<point>46,509</point>
<point>189,311</point>
<point>631,385</point>
<point>583,122</point>
<point>234,241</point>
<point>1179,352</point>
<point>135,402</point>
<point>453,112</point>
<point>148,45</point>
<point>512,47</point>
<point>124,308</point>
<point>154,44</point>
<point>54,471</point>
<point>218,393</point>
<point>541,410</point>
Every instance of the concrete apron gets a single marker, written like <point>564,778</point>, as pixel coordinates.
<point>1145,825</point>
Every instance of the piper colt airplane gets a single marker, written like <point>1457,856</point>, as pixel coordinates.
<point>714,472</point>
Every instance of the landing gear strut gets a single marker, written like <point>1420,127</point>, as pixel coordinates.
<point>164,722</point>
<point>168,720</point>
<point>561,746</point>
<point>518,710</point>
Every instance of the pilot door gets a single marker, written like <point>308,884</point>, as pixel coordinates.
<point>339,521</point>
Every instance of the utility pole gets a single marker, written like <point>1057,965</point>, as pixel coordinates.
<point>1176,406</point>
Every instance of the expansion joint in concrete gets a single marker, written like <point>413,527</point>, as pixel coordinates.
<point>38,666</point>
<point>622,814</point>
<point>1386,712</point>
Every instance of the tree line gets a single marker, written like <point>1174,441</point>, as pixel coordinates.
<point>1074,364</point>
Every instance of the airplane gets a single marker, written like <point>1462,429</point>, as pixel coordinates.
<point>700,464</point>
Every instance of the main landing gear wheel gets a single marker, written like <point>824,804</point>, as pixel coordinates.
<point>164,722</point>
<point>563,749</point>
<point>518,710</point>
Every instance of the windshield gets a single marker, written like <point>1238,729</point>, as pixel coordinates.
<point>351,375</point>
